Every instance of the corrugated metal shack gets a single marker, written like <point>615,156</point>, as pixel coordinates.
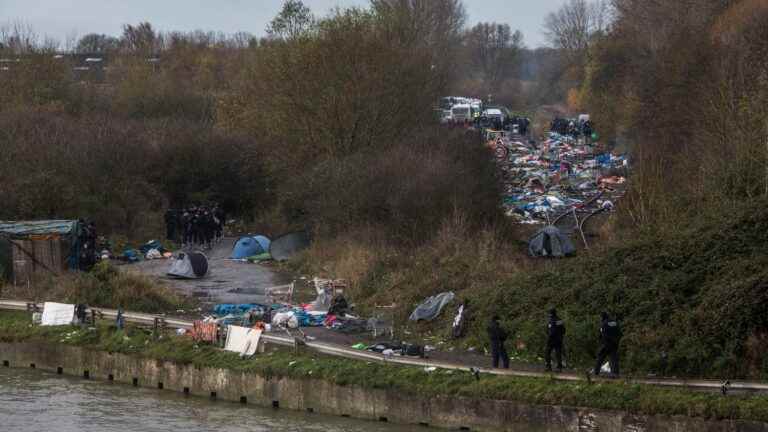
<point>36,248</point>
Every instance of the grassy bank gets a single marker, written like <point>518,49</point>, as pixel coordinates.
<point>104,286</point>
<point>691,300</point>
<point>16,327</point>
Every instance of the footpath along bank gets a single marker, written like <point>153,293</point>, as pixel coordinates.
<point>303,380</point>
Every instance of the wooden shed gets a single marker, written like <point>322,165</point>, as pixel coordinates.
<point>29,249</point>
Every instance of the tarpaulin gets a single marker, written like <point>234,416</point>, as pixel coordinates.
<point>55,314</point>
<point>431,307</point>
<point>19,229</point>
<point>242,340</point>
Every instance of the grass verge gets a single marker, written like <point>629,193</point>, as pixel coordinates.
<point>640,399</point>
<point>105,286</point>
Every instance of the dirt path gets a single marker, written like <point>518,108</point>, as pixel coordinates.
<point>227,281</point>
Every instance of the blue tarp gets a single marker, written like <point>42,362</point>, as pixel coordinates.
<point>309,320</point>
<point>68,230</point>
<point>20,229</point>
<point>131,255</point>
<point>152,244</point>
<point>250,246</point>
<point>236,309</point>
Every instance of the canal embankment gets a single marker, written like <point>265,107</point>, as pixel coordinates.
<point>308,382</point>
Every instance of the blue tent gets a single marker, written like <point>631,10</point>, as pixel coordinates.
<point>249,246</point>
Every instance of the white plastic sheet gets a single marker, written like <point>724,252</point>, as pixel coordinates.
<point>242,340</point>
<point>285,319</point>
<point>55,314</point>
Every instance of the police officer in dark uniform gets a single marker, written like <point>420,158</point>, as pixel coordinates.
<point>610,335</point>
<point>555,334</point>
<point>170,224</point>
<point>498,337</point>
<point>186,225</point>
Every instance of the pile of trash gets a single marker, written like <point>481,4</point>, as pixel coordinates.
<point>150,250</point>
<point>281,311</point>
<point>561,174</point>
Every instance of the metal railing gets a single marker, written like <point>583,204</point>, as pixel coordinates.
<point>339,351</point>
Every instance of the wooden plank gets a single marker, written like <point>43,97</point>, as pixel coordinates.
<point>36,258</point>
<point>48,255</point>
<point>23,266</point>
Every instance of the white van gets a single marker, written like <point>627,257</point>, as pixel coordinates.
<point>461,113</point>
<point>494,113</point>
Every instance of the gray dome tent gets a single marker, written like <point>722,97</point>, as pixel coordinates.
<point>288,245</point>
<point>550,242</point>
<point>189,265</point>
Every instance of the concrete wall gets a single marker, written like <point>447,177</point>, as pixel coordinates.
<point>326,398</point>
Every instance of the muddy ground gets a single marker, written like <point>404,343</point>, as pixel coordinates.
<point>231,281</point>
<point>228,281</point>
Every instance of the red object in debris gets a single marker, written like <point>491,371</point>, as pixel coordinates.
<point>329,320</point>
<point>204,331</point>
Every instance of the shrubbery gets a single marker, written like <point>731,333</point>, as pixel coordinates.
<point>121,173</point>
<point>105,286</point>
<point>406,190</point>
<point>699,296</point>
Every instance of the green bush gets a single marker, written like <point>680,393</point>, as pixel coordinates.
<point>698,295</point>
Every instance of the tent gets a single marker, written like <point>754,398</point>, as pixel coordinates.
<point>288,245</point>
<point>189,265</point>
<point>250,246</point>
<point>38,247</point>
<point>550,242</point>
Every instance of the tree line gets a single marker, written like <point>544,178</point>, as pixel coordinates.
<point>324,123</point>
<point>683,85</point>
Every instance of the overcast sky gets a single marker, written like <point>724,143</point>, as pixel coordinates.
<point>62,18</point>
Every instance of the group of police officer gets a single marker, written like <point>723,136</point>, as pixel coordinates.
<point>196,226</point>
<point>523,124</point>
<point>610,335</point>
<point>574,128</point>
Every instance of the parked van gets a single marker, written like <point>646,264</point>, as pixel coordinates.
<point>461,113</point>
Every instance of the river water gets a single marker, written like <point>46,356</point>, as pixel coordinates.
<point>35,401</point>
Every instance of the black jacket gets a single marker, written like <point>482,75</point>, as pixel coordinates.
<point>610,332</point>
<point>496,333</point>
<point>555,330</point>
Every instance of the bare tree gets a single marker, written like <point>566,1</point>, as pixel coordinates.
<point>293,20</point>
<point>433,27</point>
<point>139,39</point>
<point>19,37</point>
<point>432,22</point>
<point>97,43</point>
<point>493,49</point>
<point>572,26</point>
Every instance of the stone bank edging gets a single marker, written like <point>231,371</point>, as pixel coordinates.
<point>318,396</point>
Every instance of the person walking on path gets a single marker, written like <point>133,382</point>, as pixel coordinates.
<point>555,334</point>
<point>498,337</point>
<point>120,321</point>
<point>610,335</point>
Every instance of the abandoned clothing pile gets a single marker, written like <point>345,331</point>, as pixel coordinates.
<point>558,176</point>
